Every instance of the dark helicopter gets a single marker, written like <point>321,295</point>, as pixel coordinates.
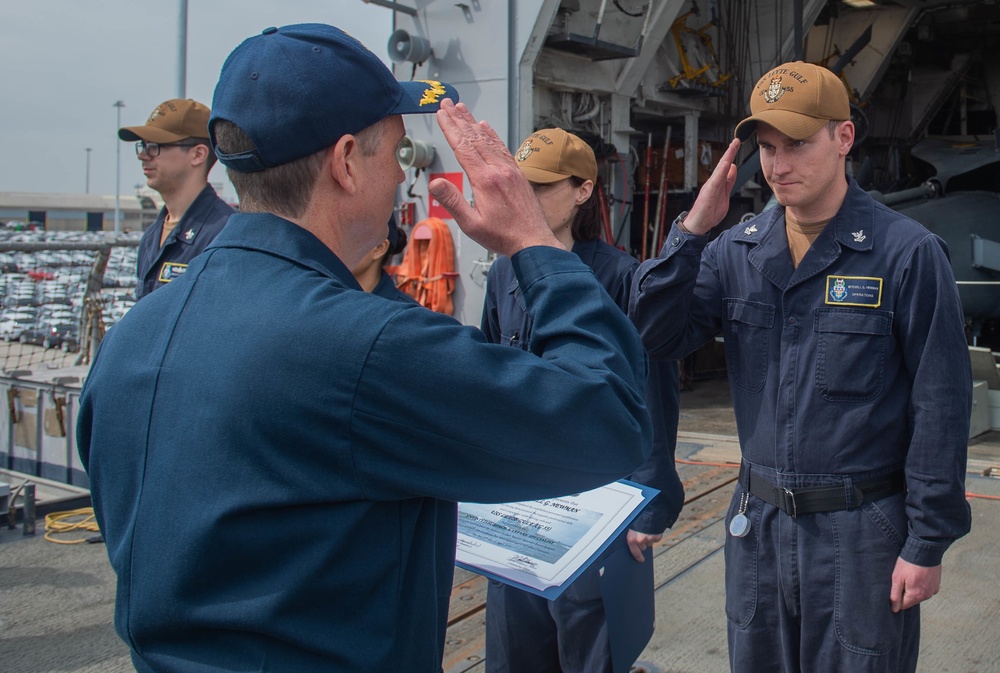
<point>960,203</point>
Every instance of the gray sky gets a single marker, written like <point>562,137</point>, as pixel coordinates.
<point>64,63</point>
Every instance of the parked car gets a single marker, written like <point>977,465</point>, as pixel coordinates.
<point>20,299</point>
<point>46,335</point>
<point>12,328</point>
<point>57,334</point>
<point>71,340</point>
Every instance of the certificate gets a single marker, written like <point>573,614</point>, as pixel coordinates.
<point>541,546</point>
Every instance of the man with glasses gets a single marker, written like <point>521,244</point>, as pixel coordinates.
<point>176,158</point>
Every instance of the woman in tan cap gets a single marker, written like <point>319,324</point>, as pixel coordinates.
<point>571,634</point>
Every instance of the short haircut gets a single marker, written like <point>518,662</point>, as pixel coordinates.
<point>284,190</point>
<point>370,138</point>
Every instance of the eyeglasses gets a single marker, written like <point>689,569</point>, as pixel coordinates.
<point>153,149</point>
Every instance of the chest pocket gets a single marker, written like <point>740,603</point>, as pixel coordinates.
<point>851,347</point>
<point>747,329</point>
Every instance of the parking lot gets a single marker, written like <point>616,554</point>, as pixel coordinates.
<point>42,293</point>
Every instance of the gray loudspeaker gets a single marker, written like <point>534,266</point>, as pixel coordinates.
<point>406,47</point>
<point>414,153</point>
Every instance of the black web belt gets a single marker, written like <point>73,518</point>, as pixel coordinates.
<point>812,499</point>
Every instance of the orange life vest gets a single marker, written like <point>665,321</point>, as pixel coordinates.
<point>428,270</point>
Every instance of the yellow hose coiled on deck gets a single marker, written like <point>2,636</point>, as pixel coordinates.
<point>68,522</point>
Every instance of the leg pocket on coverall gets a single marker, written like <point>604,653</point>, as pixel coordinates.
<point>741,564</point>
<point>868,541</point>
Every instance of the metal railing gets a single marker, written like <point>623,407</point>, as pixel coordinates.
<point>38,428</point>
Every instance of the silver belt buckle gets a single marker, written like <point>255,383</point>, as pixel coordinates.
<point>790,497</point>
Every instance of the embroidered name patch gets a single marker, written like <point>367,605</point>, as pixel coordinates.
<point>853,291</point>
<point>171,270</point>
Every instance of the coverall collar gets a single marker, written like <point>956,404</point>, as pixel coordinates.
<point>187,228</point>
<point>851,227</point>
<point>275,235</point>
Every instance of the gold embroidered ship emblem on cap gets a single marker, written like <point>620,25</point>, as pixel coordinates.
<point>774,90</point>
<point>525,151</point>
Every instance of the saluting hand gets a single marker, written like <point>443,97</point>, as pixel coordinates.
<point>506,217</point>
<point>712,203</point>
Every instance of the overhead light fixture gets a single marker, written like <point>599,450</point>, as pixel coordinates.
<point>860,4</point>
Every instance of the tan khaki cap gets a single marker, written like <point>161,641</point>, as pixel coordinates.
<point>797,99</point>
<point>170,122</point>
<point>551,155</point>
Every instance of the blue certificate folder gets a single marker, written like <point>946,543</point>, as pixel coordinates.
<point>553,592</point>
<point>627,590</point>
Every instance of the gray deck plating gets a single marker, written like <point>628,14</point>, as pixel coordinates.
<point>57,601</point>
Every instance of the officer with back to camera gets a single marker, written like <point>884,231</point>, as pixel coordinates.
<point>274,455</point>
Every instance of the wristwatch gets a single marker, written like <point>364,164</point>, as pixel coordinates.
<point>679,223</point>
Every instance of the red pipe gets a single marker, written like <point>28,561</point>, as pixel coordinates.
<point>602,204</point>
<point>645,211</point>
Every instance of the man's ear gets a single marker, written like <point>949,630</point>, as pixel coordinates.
<point>845,137</point>
<point>342,162</point>
<point>199,154</point>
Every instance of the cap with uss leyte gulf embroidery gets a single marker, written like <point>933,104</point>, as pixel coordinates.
<point>551,155</point>
<point>797,99</point>
<point>298,89</point>
<point>172,121</point>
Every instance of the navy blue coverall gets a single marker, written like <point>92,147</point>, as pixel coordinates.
<point>387,288</point>
<point>852,366</point>
<point>275,456</point>
<point>157,265</point>
<point>530,634</point>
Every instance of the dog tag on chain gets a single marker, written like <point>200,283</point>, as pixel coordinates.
<point>740,524</point>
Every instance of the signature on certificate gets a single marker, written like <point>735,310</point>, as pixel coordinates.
<point>521,561</point>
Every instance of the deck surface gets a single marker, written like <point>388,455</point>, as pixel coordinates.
<point>57,601</point>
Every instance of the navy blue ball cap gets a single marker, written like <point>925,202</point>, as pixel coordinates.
<point>296,90</point>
